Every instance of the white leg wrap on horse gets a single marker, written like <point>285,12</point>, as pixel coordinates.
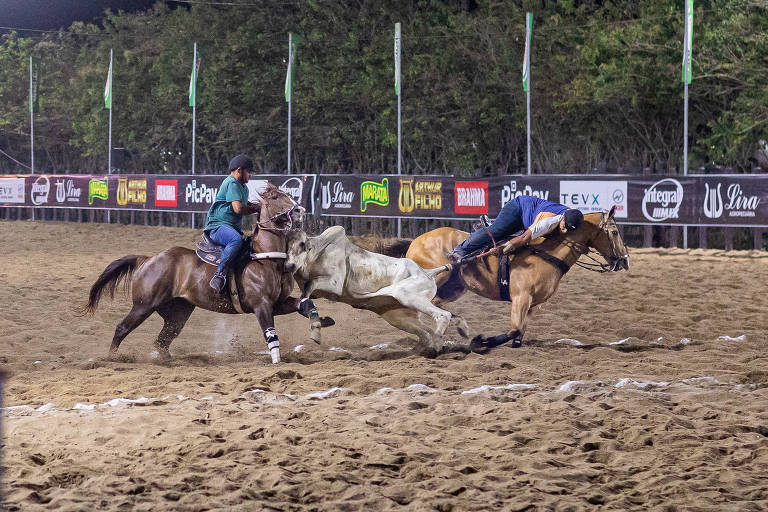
<point>273,344</point>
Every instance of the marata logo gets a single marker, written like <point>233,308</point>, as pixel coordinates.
<point>511,191</point>
<point>334,196</point>
<point>375,193</point>
<point>662,200</point>
<point>98,189</point>
<point>131,191</point>
<point>166,193</point>
<point>737,205</point>
<point>421,195</point>
<point>40,189</point>
<point>67,192</point>
<point>293,187</point>
<point>471,197</point>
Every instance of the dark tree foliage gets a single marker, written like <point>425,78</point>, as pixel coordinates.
<point>606,89</point>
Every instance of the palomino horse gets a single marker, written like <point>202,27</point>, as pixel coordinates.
<point>175,281</point>
<point>534,273</point>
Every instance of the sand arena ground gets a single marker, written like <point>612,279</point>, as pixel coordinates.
<point>645,390</point>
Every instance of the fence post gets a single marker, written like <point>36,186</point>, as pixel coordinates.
<point>728,239</point>
<point>757,235</point>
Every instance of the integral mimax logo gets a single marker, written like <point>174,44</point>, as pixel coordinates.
<point>662,200</point>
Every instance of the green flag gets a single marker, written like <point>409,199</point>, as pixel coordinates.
<point>290,74</point>
<point>108,87</point>
<point>34,83</point>
<point>397,58</point>
<point>527,54</point>
<point>687,74</point>
<point>193,77</point>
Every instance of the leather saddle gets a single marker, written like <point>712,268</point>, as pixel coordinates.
<point>210,252</point>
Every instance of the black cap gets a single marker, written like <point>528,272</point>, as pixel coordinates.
<point>573,219</point>
<point>241,161</point>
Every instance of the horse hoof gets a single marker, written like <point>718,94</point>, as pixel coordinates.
<point>326,321</point>
<point>517,343</point>
<point>478,345</point>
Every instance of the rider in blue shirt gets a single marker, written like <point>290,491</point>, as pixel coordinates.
<point>225,217</point>
<point>538,217</point>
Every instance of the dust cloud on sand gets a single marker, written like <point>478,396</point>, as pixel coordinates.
<point>645,390</point>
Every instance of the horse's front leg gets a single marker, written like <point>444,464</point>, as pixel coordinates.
<point>306,308</point>
<point>265,316</point>
<point>521,304</point>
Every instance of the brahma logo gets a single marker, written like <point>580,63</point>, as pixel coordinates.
<point>662,200</point>
<point>471,197</point>
<point>166,193</point>
<point>40,189</point>
<point>373,192</point>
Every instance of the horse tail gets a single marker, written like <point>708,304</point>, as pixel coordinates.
<point>396,248</point>
<point>110,279</point>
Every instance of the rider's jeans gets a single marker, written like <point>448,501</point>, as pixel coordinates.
<point>510,220</point>
<point>230,239</point>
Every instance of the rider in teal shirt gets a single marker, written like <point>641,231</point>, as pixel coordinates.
<point>225,217</point>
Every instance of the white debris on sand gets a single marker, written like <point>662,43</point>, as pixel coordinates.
<point>384,391</point>
<point>620,342</point>
<point>572,385</point>
<point>420,389</point>
<point>570,341</point>
<point>486,388</point>
<point>743,337</point>
<point>338,349</point>
<point>380,346</point>
<point>685,341</point>
<point>298,348</point>
<point>701,380</point>
<point>326,394</point>
<point>640,384</point>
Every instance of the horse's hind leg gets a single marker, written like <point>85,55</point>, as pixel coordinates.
<point>175,313</point>
<point>133,319</point>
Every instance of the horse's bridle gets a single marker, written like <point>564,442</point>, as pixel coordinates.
<point>585,250</point>
<point>290,227</point>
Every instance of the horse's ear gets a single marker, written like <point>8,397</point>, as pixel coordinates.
<point>612,212</point>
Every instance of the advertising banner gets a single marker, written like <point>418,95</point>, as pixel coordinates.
<point>725,200</point>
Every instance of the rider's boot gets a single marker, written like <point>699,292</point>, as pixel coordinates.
<point>218,281</point>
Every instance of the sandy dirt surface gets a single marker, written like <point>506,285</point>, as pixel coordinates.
<point>645,390</point>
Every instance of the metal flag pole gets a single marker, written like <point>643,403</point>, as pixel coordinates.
<point>31,128</point>
<point>193,98</point>
<point>686,78</point>
<point>194,102</point>
<point>398,84</point>
<point>289,85</point>
<point>109,144</point>
<point>527,82</point>
<point>31,119</point>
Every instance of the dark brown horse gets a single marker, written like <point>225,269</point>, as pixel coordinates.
<point>533,274</point>
<point>175,281</point>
